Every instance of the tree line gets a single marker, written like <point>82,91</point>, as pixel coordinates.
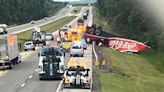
<point>22,11</point>
<point>127,18</point>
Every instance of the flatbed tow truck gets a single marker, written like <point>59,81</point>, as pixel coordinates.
<point>77,76</point>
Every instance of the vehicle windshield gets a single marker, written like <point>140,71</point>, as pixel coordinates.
<point>28,43</point>
<point>38,35</point>
<point>48,51</point>
<point>72,72</point>
<point>76,47</point>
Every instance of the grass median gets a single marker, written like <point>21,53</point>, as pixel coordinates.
<point>144,72</point>
<point>51,27</point>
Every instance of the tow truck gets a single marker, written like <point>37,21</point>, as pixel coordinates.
<point>76,75</point>
<point>51,62</point>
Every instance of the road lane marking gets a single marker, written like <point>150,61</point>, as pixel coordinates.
<point>30,76</point>
<point>22,85</point>
<point>59,86</point>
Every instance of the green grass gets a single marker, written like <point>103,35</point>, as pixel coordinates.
<point>145,71</point>
<point>78,8</point>
<point>51,27</point>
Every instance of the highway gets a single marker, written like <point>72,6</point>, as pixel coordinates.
<point>24,76</point>
<point>24,27</point>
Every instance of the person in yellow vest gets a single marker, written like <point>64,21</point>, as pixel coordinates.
<point>58,40</point>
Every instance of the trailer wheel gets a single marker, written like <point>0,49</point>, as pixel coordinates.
<point>98,32</point>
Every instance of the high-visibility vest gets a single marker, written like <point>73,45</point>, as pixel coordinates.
<point>58,39</point>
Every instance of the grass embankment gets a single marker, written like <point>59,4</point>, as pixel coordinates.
<point>76,10</point>
<point>51,27</point>
<point>145,72</point>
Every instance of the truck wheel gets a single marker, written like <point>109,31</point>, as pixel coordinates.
<point>98,32</point>
<point>40,78</point>
<point>33,49</point>
<point>5,32</point>
<point>44,43</point>
<point>25,49</point>
<point>10,66</point>
<point>70,55</point>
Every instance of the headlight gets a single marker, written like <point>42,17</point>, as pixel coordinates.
<point>87,80</point>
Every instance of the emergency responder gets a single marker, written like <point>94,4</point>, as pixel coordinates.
<point>58,41</point>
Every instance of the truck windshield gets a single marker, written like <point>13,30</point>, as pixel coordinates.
<point>38,35</point>
<point>47,51</point>
<point>76,47</point>
<point>76,72</point>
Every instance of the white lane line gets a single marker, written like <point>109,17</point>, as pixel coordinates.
<point>36,70</point>
<point>59,86</point>
<point>61,82</point>
<point>30,76</point>
<point>22,85</point>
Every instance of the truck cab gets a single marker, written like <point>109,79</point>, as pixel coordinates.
<point>51,63</point>
<point>3,28</point>
<point>38,36</point>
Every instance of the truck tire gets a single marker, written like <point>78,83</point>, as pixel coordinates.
<point>44,43</point>
<point>10,66</point>
<point>40,78</point>
<point>98,32</point>
<point>33,49</point>
<point>5,32</point>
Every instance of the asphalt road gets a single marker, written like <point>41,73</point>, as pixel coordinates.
<point>63,13</point>
<point>24,77</point>
<point>87,59</point>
